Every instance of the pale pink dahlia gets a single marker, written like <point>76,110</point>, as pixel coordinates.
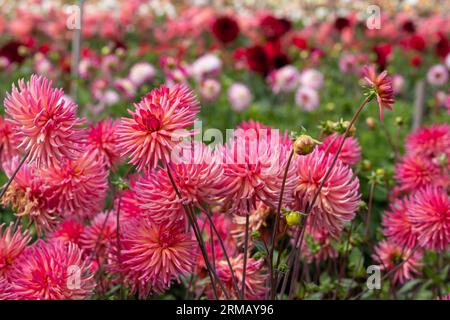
<point>429,141</point>
<point>158,124</point>
<point>102,140</point>
<point>430,218</point>
<point>44,122</point>
<point>29,195</point>
<point>52,271</point>
<point>351,150</point>
<point>339,198</point>
<point>414,171</point>
<point>397,224</point>
<point>255,277</point>
<point>254,170</point>
<point>79,186</point>
<point>12,245</point>
<point>155,254</point>
<point>389,255</point>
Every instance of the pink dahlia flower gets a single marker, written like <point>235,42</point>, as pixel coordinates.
<point>255,277</point>
<point>8,142</point>
<point>389,255</point>
<point>158,124</point>
<point>67,231</point>
<point>382,86</point>
<point>155,254</point>
<point>350,153</point>
<point>44,122</point>
<point>414,172</point>
<point>5,290</point>
<point>397,224</point>
<point>52,271</point>
<point>29,195</point>
<point>12,245</point>
<point>253,170</point>
<point>100,233</point>
<point>429,141</point>
<point>307,98</point>
<point>437,75</point>
<point>102,140</point>
<point>339,198</point>
<point>430,218</point>
<point>257,221</point>
<point>79,186</point>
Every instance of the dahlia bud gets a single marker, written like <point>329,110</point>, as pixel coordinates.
<point>370,123</point>
<point>293,218</point>
<point>380,172</point>
<point>366,165</point>
<point>305,144</point>
<point>399,121</point>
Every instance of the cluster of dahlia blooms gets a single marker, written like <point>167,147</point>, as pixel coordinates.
<point>419,215</point>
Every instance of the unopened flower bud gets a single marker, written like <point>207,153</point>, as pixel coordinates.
<point>399,121</point>
<point>380,172</point>
<point>370,122</point>
<point>293,218</point>
<point>305,144</point>
<point>366,165</point>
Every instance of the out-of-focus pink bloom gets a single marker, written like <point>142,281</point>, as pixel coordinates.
<point>312,78</point>
<point>109,97</point>
<point>12,245</point>
<point>339,198</point>
<point>68,230</point>
<point>430,217</point>
<point>157,125</point>
<point>210,90</point>
<point>348,63</point>
<point>255,277</point>
<point>285,79</point>
<point>43,121</point>
<point>78,186</point>
<point>102,141</point>
<point>126,87</point>
<point>153,255</point>
<point>207,66</point>
<point>45,270</point>
<point>397,224</point>
<point>398,82</point>
<point>307,98</point>
<point>437,75</point>
<point>351,150</point>
<point>141,72</point>
<point>239,96</point>
<point>429,141</point>
<point>381,84</point>
<point>389,255</point>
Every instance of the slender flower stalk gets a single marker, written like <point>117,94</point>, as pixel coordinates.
<point>10,180</point>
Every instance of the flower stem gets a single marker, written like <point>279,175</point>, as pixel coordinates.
<point>5,188</point>
<point>244,270</point>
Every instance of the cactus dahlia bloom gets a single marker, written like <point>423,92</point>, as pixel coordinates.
<point>155,254</point>
<point>102,140</point>
<point>389,255</point>
<point>429,141</point>
<point>12,245</point>
<point>338,200</point>
<point>67,231</point>
<point>52,271</point>
<point>44,122</point>
<point>255,277</point>
<point>79,186</point>
<point>100,233</point>
<point>198,175</point>
<point>253,170</point>
<point>350,153</point>
<point>157,125</point>
<point>8,142</point>
<point>430,218</point>
<point>414,172</point>
<point>397,224</point>
<point>381,85</point>
<point>5,290</point>
<point>29,195</point>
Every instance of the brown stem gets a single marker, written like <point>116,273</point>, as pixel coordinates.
<point>369,209</point>
<point>244,271</point>
<point>5,188</point>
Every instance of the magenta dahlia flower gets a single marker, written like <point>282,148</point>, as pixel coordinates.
<point>381,84</point>
<point>5,290</point>
<point>52,271</point>
<point>158,124</point>
<point>153,255</point>
<point>429,141</point>
<point>100,233</point>
<point>102,140</point>
<point>430,218</point>
<point>339,198</point>
<point>351,150</point>
<point>67,231</point>
<point>79,186</point>
<point>389,255</point>
<point>29,195</point>
<point>414,172</point>
<point>8,142</point>
<point>397,224</point>
<point>12,245</point>
<point>44,122</point>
